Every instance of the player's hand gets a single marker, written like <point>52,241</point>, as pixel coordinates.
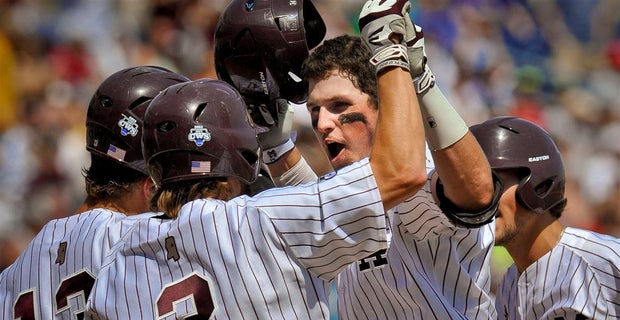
<point>383,25</point>
<point>420,72</point>
<point>415,48</point>
<point>279,134</point>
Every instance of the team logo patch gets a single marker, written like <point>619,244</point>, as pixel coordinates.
<point>61,253</point>
<point>171,249</point>
<point>129,126</point>
<point>374,261</point>
<point>198,134</point>
<point>249,5</point>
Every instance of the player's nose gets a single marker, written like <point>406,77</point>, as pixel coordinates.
<point>325,121</point>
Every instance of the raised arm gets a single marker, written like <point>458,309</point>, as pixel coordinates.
<point>465,181</point>
<point>398,153</point>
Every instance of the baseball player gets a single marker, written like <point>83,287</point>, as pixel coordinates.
<point>52,278</point>
<point>558,272</point>
<point>434,268</point>
<point>217,255</point>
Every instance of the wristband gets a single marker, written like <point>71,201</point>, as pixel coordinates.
<point>274,154</point>
<point>300,173</point>
<point>442,124</point>
<point>391,56</point>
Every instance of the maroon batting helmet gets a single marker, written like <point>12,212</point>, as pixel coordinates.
<point>200,129</point>
<point>515,143</point>
<point>116,111</point>
<point>260,46</point>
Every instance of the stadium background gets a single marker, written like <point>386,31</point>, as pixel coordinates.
<point>555,62</point>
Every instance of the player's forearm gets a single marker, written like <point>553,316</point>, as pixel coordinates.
<point>284,163</point>
<point>398,153</point>
<point>292,169</point>
<point>465,174</point>
<point>459,160</point>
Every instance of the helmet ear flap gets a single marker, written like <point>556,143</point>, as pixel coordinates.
<point>525,194</point>
<point>536,197</point>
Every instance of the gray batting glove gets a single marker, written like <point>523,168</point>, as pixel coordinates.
<point>277,141</point>
<point>383,26</point>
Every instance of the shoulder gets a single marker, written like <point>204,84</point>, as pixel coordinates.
<point>586,240</point>
<point>78,223</point>
<point>97,215</point>
<point>597,249</point>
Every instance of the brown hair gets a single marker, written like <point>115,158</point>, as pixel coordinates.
<point>350,57</point>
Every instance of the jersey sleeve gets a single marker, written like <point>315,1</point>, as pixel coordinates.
<point>422,217</point>
<point>330,223</point>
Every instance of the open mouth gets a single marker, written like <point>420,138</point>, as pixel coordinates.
<point>334,149</point>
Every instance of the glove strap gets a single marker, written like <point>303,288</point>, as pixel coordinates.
<point>391,56</point>
<point>424,81</point>
<point>274,154</point>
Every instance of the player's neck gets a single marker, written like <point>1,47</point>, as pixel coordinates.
<point>112,206</point>
<point>536,242</point>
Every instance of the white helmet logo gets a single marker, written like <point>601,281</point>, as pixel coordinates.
<point>128,125</point>
<point>198,134</point>
<point>538,158</point>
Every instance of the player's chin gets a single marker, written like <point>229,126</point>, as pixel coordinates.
<point>502,237</point>
<point>499,227</point>
<point>339,163</point>
<point>340,159</point>
<point>504,232</point>
<point>344,159</point>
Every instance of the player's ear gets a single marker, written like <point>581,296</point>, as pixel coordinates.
<point>148,188</point>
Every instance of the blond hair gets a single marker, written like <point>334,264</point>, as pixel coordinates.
<point>170,198</point>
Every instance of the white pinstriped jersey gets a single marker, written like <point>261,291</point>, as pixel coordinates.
<point>432,269</point>
<point>267,257</point>
<point>578,279</point>
<point>51,279</point>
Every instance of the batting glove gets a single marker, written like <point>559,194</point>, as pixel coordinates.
<point>383,25</point>
<point>277,141</point>
<point>423,78</point>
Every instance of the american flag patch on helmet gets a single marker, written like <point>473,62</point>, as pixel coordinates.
<point>116,152</point>
<point>201,166</point>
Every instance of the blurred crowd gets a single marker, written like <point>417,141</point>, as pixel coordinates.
<point>554,62</point>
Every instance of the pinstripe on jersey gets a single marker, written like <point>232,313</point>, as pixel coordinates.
<point>433,270</point>
<point>246,258</point>
<point>64,253</point>
<point>578,279</point>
